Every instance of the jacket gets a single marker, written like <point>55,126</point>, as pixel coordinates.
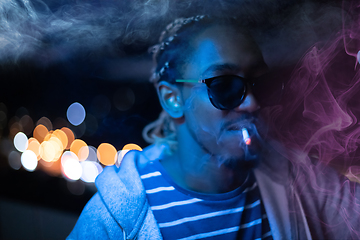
<point>313,202</point>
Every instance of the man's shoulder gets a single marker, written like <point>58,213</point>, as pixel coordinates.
<point>95,222</point>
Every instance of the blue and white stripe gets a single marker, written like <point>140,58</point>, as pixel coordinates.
<point>183,214</point>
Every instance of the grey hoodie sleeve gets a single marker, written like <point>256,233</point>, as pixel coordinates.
<point>119,210</point>
<point>95,222</point>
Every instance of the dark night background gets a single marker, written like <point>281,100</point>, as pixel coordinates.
<point>112,85</point>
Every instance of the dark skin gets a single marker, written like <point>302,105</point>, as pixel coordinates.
<point>205,142</point>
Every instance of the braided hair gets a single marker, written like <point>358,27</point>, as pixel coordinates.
<point>169,55</point>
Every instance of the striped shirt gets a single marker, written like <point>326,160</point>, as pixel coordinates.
<point>183,214</point>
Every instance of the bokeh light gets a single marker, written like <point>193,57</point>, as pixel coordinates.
<point>76,114</point>
<point>58,148</point>
<point>67,155</point>
<point>34,145</point>
<point>15,127</point>
<point>61,135</point>
<point>48,151</point>
<point>107,154</point>
<point>72,169</point>
<point>80,148</point>
<point>27,124</point>
<point>21,141</point>
<point>14,159</point>
<point>47,146</point>
<point>70,136</point>
<point>40,132</point>
<point>92,154</point>
<point>89,171</point>
<point>29,160</point>
<point>121,155</point>
<point>46,122</point>
<point>126,148</point>
<point>132,146</point>
<point>71,166</point>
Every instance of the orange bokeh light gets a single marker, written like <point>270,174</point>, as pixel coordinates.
<point>80,148</point>
<point>47,151</point>
<point>107,154</point>
<point>61,135</point>
<point>40,132</point>
<point>58,148</point>
<point>70,136</point>
<point>34,145</point>
<point>132,146</point>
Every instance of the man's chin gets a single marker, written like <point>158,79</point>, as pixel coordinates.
<point>238,154</point>
<point>238,162</point>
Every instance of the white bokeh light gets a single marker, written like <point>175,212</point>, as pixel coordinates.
<point>71,166</point>
<point>14,160</point>
<point>72,169</point>
<point>121,155</point>
<point>21,141</point>
<point>29,160</point>
<point>76,114</point>
<point>89,171</point>
<point>92,154</point>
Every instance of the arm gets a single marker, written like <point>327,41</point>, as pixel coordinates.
<point>95,222</point>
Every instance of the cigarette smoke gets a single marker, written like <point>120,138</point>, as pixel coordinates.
<point>320,111</point>
<point>47,31</point>
<point>319,121</point>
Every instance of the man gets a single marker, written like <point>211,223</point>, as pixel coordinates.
<point>222,176</point>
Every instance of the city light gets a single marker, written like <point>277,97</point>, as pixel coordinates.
<point>126,148</point>
<point>71,166</point>
<point>80,148</point>
<point>21,141</point>
<point>107,154</point>
<point>29,160</point>
<point>72,169</point>
<point>59,152</point>
<point>40,132</point>
<point>76,114</point>
<point>34,145</point>
<point>89,171</point>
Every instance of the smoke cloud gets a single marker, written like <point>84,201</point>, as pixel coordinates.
<point>50,31</point>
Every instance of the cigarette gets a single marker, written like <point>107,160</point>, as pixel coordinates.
<point>246,136</point>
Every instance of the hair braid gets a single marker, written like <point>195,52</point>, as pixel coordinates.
<point>166,38</point>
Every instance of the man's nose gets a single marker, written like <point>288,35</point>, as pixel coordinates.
<point>249,104</point>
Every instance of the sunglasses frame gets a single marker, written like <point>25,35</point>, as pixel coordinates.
<point>207,81</point>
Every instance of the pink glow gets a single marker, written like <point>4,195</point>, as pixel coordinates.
<point>319,123</point>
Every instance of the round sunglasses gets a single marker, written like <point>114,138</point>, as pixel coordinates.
<point>228,91</point>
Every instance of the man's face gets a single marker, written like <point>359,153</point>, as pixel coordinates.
<point>220,50</point>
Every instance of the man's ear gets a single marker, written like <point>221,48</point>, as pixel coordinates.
<point>170,99</point>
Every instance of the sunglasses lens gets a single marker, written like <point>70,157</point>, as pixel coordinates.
<point>226,92</point>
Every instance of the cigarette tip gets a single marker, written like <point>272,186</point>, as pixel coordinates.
<point>246,136</point>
